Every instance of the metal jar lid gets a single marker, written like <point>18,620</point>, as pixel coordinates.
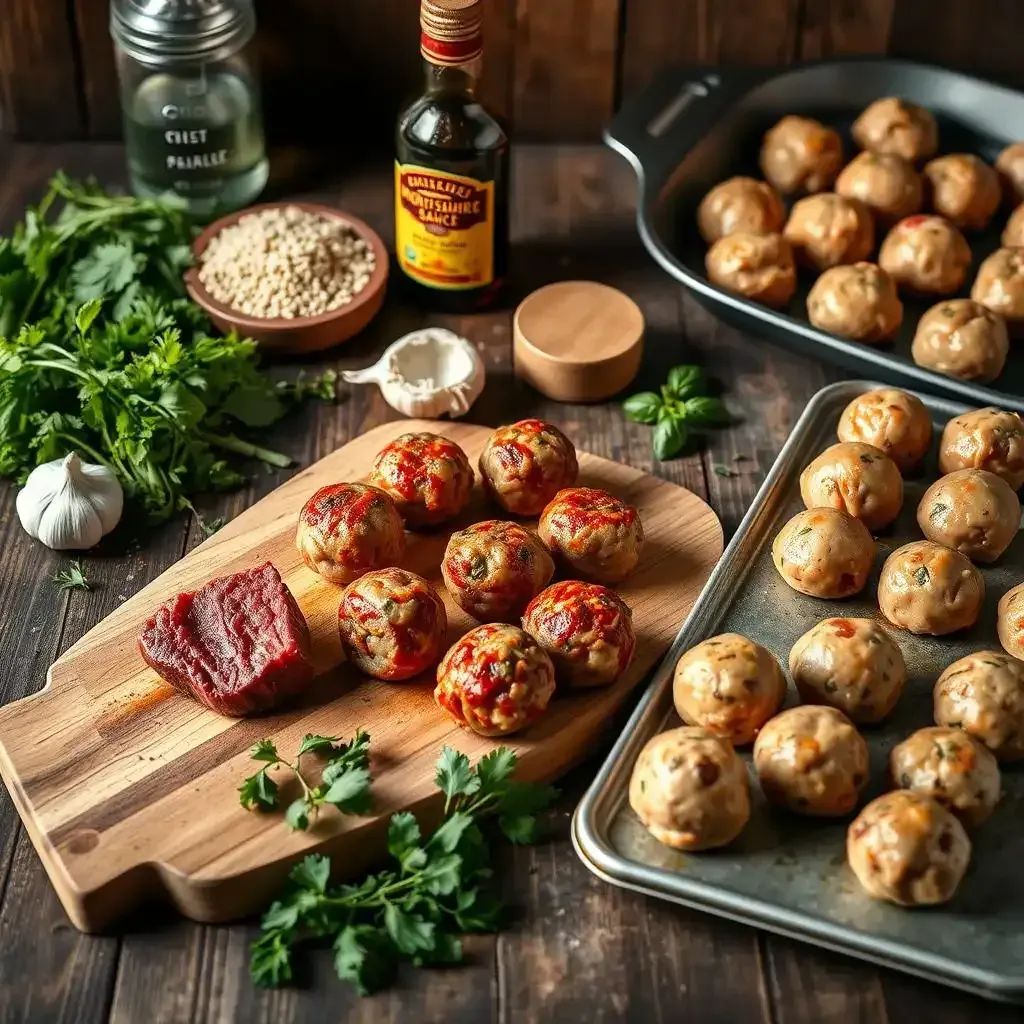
<point>170,31</point>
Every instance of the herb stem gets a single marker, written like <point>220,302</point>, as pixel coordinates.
<point>235,444</point>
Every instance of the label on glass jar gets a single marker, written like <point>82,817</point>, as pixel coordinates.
<point>444,228</point>
<point>181,158</point>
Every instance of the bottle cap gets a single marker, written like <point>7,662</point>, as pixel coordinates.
<point>161,32</point>
<point>451,31</point>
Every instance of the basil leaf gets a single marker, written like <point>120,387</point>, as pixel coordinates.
<point>669,438</point>
<point>642,408</point>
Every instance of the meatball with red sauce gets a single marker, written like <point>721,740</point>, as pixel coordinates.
<point>526,464</point>
<point>496,680</point>
<point>392,624</point>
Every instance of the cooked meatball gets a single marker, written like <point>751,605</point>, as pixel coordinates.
<point>392,624</point>
<point>1000,286</point>
<point>689,789</point>
<point>598,535</point>
<point>896,422</point>
<point>586,629</point>
<point>985,439</point>
<point>494,569</point>
<point>524,465</point>
<point>801,155</point>
<point>826,230</point>
<point>824,552</point>
<point>1013,233</point>
<point>857,478</point>
<point>729,685</point>
<point>887,184</point>
<point>740,204</point>
<point>963,339</point>
<point>950,767</point>
<point>1010,621</point>
<point>972,510</point>
<point>892,125</point>
<point>496,680</point>
<point>927,588</point>
<point>348,529</point>
<point>907,849</point>
<point>428,477</point>
<point>926,255</point>
<point>759,267</point>
<point>1010,168</point>
<point>849,664</point>
<point>858,302</point>
<point>964,189</point>
<point>983,694</point>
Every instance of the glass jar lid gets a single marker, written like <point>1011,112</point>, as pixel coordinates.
<point>170,31</point>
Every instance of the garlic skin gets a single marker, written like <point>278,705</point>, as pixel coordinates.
<point>68,504</point>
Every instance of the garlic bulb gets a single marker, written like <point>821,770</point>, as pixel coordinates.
<point>68,503</point>
<point>427,373</point>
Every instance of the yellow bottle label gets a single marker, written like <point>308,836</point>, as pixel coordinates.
<point>444,227</point>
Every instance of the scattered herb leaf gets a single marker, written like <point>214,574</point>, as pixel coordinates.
<point>72,578</point>
<point>922,576</point>
<point>721,470</point>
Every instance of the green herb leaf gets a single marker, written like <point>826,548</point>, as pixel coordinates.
<point>494,768</point>
<point>643,407</point>
<point>264,750</point>
<point>72,578</point>
<point>297,815</point>
<point>312,744</point>
<point>722,470</point>
<point>684,381</point>
<point>669,438</point>
<point>922,576</point>
<point>705,410</point>
<point>312,873</point>
<point>259,791</point>
<point>271,960</point>
<point>454,775</point>
<point>349,791</point>
<point>364,956</point>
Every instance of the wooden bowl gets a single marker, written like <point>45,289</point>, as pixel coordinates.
<point>302,334</point>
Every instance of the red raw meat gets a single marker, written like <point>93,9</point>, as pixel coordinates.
<point>239,645</point>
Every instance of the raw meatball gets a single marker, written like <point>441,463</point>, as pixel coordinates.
<point>1010,168</point>
<point>1000,286</point>
<point>689,789</point>
<point>857,301</point>
<point>962,338</point>
<point>849,664</point>
<point>857,478</point>
<point>348,529</point>
<point>428,476</point>
<point>896,422</point>
<point>964,189</point>
<point>1010,621</point>
<point>974,511</point>
<point>824,553</point>
<point>907,849</point>
<point>983,694</point>
<point>525,464</point>
<point>495,680</point>
<point>586,629</point>
<point>887,184</point>
<point>826,230</point>
<point>811,760</point>
<point>759,267</point>
<point>951,768</point>
<point>985,439</point>
<point>801,155</point>
<point>927,588</point>
<point>494,569</point>
<point>597,535</point>
<point>392,624</point>
<point>1013,234</point>
<point>729,685</point>
<point>925,255</point>
<point>740,204</point>
<point>892,125</point>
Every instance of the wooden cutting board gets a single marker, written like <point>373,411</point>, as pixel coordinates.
<point>129,790</point>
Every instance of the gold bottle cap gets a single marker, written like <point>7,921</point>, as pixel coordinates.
<point>451,31</point>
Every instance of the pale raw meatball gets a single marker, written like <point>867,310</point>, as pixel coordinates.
<point>1010,168</point>
<point>1000,286</point>
<point>907,849</point>
<point>893,125</point>
<point>849,664</point>
<point>856,478</point>
<point>689,789</point>
<point>740,204</point>
<point>857,301</point>
<point>985,439</point>
<point>950,767</point>
<point>728,685</point>
<point>925,255</point>
<point>1010,621</point>
<point>811,760</point>
<point>983,694</point>
<point>974,511</point>
<point>896,422</point>
<point>758,267</point>
<point>800,154</point>
<point>826,230</point>
<point>964,189</point>
<point>962,338</point>
<point>1013,234</point>
<point>930,589</point>
<point>824,553</point>
<point>887,184</point>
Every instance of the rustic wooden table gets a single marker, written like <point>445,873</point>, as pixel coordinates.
<point>579,949</point>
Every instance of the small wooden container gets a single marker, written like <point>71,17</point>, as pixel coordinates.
<point>578,341</point>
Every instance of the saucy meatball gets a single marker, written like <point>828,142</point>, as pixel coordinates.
<point>759,267</point>
<point>689,789</point>
<point>896,422</point>
<point>849,664</point>
<point>892,125</point>
<point>496,680</point>
<point>348,529</point>
<point>857,478</point>
<point>728,685</point>
<point>1013,233</point>
<point>857,301</point>
<point>1000,286</point>
<point>985,439</point>
<point>525,464</point>
<point>887,184</point>
<point>824,552</point>
<point>740,204</point>
<point>826,230</point>
<point>974,511</point>
<point>930,589</point>
<point>598,535</point>
<point>926,255</point>
<point>392,624</point>
<point>586,629</point>
<point>963,339</point>
<point>1010,621</point>
<point>907,849</point>
<point>950,767</point>
<point>494,569</point>
<point>801,155</point>
<point>964,189</point>
<point>1010,168</point>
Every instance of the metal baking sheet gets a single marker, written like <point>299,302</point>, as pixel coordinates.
<point>789,874</point>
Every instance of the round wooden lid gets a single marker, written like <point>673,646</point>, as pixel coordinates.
<point>578,341</point>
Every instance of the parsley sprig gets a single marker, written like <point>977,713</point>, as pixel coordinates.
<point>71,578</point>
